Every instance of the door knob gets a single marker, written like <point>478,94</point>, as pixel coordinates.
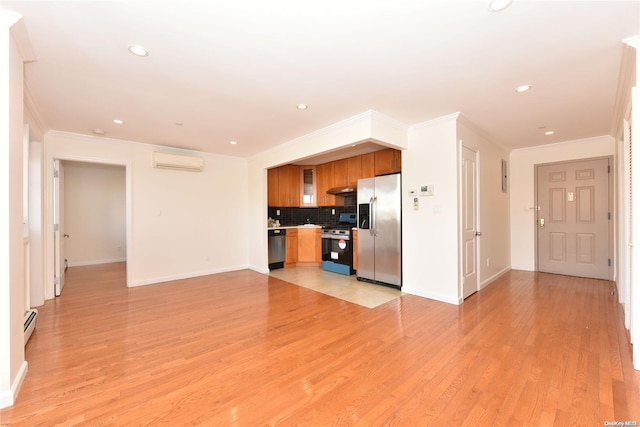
<point>541,222</point>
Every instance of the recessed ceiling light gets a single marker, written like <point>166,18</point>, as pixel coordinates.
<point>302,106</point>
<point>233,142</point>
<point>138,50</point>
<point>98,132</point>
<point>523,88</point>
<point>498,5</point>
<point>549,132</point>
<point>118,121</point>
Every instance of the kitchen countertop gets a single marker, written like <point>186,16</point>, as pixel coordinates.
<point>294,226</point>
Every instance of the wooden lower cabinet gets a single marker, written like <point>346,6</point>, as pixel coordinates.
<point>354,247</point>
<point>308,246</point>
<point>291,248</point>
<point>303,247</point>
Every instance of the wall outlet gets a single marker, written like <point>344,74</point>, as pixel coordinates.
<point>278,212</point>
<point>488,262</point>
<point>333,211</point>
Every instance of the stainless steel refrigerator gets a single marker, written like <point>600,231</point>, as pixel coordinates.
<point>379,230</point>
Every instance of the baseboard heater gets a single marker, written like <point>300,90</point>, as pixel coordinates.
<point>30,318</point>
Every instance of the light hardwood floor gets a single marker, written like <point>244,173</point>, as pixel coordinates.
<point>248,349</point>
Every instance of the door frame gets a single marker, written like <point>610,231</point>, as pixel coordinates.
<point>48,270</point>
<point>611,196</point>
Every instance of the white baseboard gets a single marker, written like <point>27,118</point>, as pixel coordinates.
<point>433,296</point>
<point>95,262</point>
<point>494,277</point>
<point>163,279</point>
<point>8,398</point>
<point>260,270</point>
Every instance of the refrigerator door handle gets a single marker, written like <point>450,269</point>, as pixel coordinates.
<point>372,224</point>
<point>374,216</point>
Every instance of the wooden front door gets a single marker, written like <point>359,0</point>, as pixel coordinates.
<point>573,218</point>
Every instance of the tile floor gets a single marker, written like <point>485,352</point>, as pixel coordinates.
<point>347,288</point>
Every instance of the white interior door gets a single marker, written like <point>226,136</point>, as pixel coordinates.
<point>58,226</point>
<point>573,223</point>
<point>470,232</point>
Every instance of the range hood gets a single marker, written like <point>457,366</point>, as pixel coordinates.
<point>341,191</point>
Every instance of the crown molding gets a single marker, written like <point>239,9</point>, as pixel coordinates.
<point>126,143</point>
<point>633,41</point>
<point>31,105</point>
<point>18,30</point>
<point>434,122</point>
<point>626,80</point>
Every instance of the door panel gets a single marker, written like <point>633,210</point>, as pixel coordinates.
<point>573,229</point>
<point>58,226</point>
<point>469,223</point>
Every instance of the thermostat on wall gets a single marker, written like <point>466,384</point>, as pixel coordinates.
<point>426,190</point>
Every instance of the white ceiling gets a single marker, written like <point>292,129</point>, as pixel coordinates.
<point>235,70</point>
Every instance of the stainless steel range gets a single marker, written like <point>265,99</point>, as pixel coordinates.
<point>337,247</point>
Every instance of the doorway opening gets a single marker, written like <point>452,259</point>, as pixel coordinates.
<point>90,211</point>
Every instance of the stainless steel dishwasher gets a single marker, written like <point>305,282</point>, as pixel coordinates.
<point>276,248</point>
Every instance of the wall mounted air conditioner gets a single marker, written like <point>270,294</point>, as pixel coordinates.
<point>181,162</point>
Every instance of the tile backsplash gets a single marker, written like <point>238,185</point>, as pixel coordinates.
<point>319,216</point>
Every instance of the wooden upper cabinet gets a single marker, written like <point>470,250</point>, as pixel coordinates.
<point>289,185</point>
<point>354,168</point>
<point>273,190</point>
<point>387,161</point>
<point>340,173</point>
<point>368,165</point>
<point>308,186</point>
<point>324,181</point>
<point>347,171</point>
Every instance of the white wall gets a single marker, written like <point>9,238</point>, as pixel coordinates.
<point>430,234</point>
<point>12,280</point>
<point>494,218</point>
<point>179,224</point>
<point>521,171</point>
<point>36,247</point>
<point>95,213</point>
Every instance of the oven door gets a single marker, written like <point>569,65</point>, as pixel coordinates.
<point>338,250</point>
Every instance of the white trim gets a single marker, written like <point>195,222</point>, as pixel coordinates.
<point>332,129</point>
<point>171,278</point>
<point>96,262</point>
<point>495,277</point>
<point>101,139</point>
<point>434,122</point>
<point>581,141</point>
<point>8,398</point>
<point>433,296</point>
